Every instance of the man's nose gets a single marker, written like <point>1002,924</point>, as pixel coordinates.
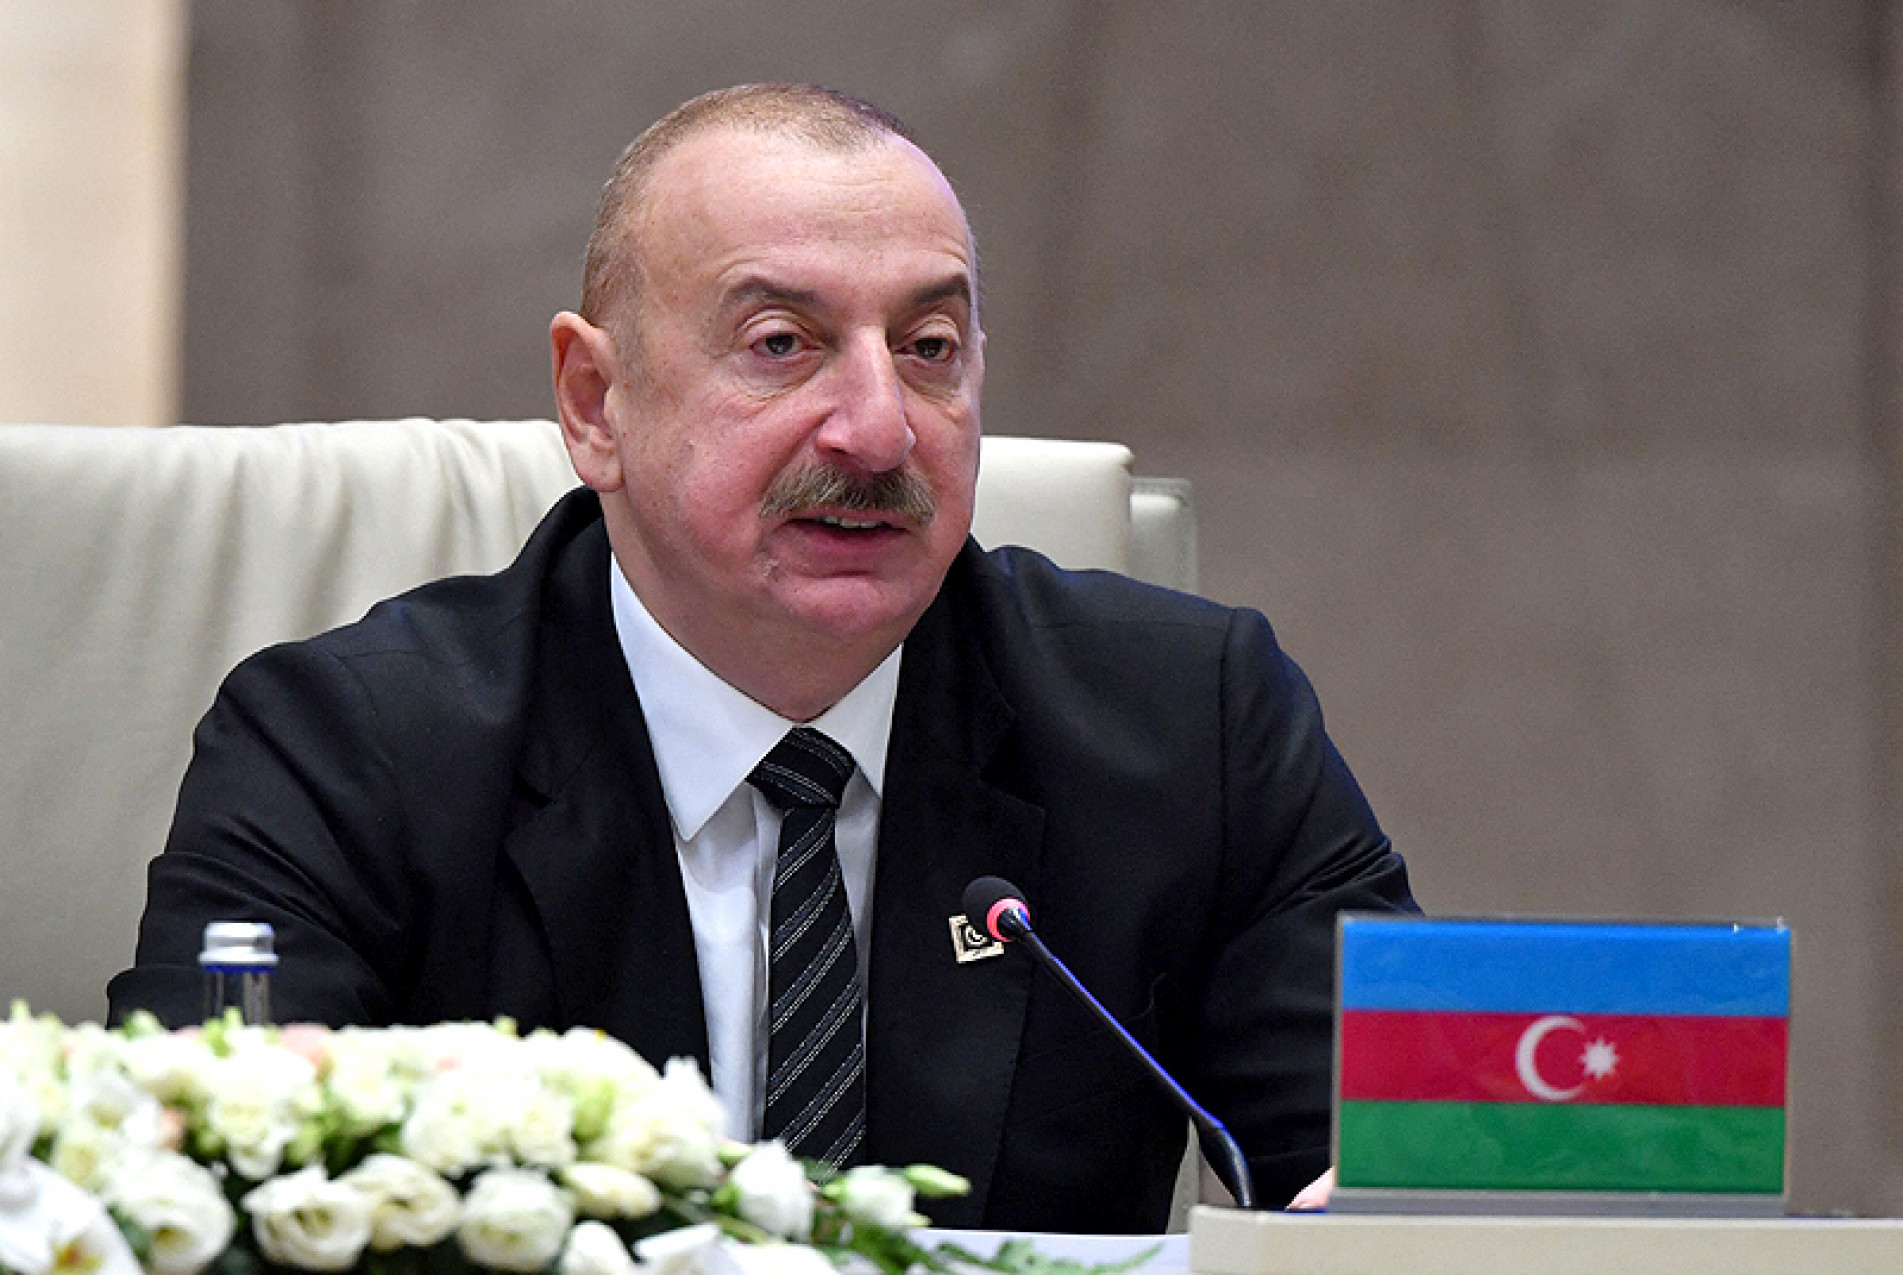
<point>867,427</point>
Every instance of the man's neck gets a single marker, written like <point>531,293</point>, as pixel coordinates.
<point>707,735</point>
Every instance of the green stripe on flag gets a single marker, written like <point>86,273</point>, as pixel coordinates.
<point>1530,1146</point>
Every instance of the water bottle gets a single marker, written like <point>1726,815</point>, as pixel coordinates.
<point>237,960</point>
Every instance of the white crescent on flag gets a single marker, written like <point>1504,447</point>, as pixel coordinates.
<point>1524,1062</point>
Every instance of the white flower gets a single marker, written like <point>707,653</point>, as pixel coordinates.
<point>585,1055</point>
<point>773,1192</point>
<point>670,1132</point>
<point>29,1041</point>
<point>364,1088</point>
<point>689,1250</point>
<point>47,1092</point>
<point>108,1120</point>
<point>19,1122</point>
<point>180,1204</point>
<point>456,1121</point>
<point>92,1244</point>
<point>111,1100</point>
<point>260,1097</point>
<point>603,1190</point>
<point>89,1048</point>
<point>481,1100</point>
<point>592,1070</point>
<point>308,1221</point>
<point>514,1220</point>
<point>778,1259</point>
<point>446,1046</point>
<point>51,1226</point>
<point>874,1196</point>
<point>541,1125</point>
<point>85,1238</point>
<point>171,1066</point>
<point>85,1152</point>
<point>30,1051</point>
<point>410,1206</point>
<point>594,1249</point>
<point>398,1050</point>
<point>250,1038</point>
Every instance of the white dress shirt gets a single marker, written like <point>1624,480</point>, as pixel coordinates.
<point>707,739</point>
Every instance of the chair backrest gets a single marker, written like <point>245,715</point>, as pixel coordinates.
<point>138,566</point>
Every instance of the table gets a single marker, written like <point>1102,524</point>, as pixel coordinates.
<point>1228,1242</point>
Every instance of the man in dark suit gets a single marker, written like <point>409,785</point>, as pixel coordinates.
<point>540,793</point>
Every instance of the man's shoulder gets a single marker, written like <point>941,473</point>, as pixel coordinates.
<point>1025,586</point>
<point>464,619</point>
<point>453,645</point>
<point>1044,633</point>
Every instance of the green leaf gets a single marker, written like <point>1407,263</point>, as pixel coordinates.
<point>933,1182</point>
<point>138,1239</point>
<point>237,1260</point>
<point>1020,1257</point>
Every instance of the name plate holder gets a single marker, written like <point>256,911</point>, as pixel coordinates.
<point>1230,1242</point>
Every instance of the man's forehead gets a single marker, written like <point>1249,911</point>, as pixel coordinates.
<point>729,172</point>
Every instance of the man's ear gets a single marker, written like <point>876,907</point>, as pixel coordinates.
<point>585,364</point>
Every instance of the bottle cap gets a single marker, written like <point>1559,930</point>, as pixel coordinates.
<point>239,945</point>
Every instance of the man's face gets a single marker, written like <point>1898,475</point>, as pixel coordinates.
<point>799,313</point>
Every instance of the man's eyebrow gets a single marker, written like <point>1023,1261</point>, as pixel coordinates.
<point>952,288</point>
<point>754,289</point>
<point>757,289</point>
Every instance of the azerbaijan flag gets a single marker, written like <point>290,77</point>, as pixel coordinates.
<point>1562,1056</point>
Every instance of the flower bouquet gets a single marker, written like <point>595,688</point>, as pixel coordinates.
<point>405,1151</point>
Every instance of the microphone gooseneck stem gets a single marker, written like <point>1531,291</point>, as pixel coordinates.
<point>1225,1157</point>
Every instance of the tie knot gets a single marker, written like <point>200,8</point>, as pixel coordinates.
<point>804,769</point>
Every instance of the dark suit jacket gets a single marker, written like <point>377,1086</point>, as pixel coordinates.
<point>450,810</point>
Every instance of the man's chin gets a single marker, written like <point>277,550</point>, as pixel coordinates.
<point>851,609</point>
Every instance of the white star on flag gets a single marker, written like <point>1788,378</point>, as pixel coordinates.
<point>1600,1059</point>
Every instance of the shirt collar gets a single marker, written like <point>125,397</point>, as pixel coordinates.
<point>707,736</point>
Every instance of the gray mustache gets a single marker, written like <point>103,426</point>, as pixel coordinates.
<point>898,492</point>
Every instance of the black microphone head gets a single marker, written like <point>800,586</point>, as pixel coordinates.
<point>995,906</point>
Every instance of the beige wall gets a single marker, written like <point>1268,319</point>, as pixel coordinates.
<point>1884,455</point>
<point>1534,361</point>
<point>91,119</point>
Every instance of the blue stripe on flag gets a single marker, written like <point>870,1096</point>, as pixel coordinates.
<point>1577,966</point>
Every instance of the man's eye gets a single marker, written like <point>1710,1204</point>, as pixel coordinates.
<point>779,345</point>
<point>934,349</point>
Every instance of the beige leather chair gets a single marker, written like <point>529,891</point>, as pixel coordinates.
<point>138,566</point>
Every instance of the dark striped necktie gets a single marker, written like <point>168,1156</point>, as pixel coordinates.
<point>816,1055</point>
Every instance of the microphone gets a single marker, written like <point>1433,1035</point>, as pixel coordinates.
<point>995,906</point>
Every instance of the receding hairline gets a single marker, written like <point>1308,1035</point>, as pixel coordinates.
<point>821,117</point>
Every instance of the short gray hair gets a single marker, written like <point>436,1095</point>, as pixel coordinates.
<point>821,116</point>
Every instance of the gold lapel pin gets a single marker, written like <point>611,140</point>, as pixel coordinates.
<point>969,943</point>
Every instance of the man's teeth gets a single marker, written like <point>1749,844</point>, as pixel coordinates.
<point>846,523</point>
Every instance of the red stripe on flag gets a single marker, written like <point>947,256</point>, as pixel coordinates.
<point>1583,1058</point>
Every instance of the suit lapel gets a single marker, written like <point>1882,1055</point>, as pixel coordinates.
<point>943,1037</point>
<point>594,846</point>
<point>595,851</point>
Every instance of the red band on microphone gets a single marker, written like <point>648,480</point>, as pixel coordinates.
<point>998,909</point>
